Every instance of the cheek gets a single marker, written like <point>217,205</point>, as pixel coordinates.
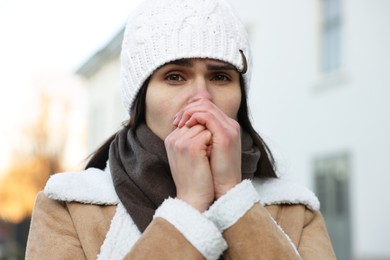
<point>159,115</point>
<point>154,108</point>
<point>151,106</point>
<point>231,105</point>
<point>235,106</point>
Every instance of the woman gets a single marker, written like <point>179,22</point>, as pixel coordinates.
<point>188,177</point>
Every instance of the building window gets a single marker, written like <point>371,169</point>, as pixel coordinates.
<point>332,188</point>
<point>331,35</point>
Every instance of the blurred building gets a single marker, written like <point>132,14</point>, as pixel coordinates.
<point>320,98</point>
<point>105,110</point>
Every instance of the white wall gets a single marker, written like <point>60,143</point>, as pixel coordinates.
<point>106,112</point>
<point>303,114</point>
<point>369,65</point>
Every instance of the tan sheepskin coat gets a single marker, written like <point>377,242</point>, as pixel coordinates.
<point>79,216</point>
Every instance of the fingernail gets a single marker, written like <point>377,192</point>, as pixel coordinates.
<point>181,123</point>
<point>175,120</point>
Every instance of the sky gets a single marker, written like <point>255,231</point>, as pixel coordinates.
<point>41,37</point>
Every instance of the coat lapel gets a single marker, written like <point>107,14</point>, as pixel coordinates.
<point>121,237</point>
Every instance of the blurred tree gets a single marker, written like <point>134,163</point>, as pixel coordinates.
<point>21,184</point>
<point>38,155</point>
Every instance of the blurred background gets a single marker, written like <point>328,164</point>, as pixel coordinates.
<point>320,97</point>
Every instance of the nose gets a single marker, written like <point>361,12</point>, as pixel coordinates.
<point>200,90</point>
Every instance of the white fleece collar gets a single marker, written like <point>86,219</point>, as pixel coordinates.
<point>92,186</point>
<point>95,186</point>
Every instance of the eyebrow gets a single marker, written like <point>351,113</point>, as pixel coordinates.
<point>189,63</point>
<point>221,67</point>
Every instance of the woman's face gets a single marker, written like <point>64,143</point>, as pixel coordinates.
<point>179,83</point>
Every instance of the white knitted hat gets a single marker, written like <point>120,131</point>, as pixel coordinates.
<point>161,31</point>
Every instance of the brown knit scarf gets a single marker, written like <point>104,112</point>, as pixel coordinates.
<point>141,174</point>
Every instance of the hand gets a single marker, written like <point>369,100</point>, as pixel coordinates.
<point>225,150</point>
<point>187,149</point>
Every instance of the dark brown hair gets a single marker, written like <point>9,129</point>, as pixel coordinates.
<point>265,166</point>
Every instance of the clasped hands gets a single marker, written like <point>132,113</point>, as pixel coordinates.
<point>204,153</point>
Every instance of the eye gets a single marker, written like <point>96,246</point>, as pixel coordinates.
<point>174,77</point>
<point>221,77</point>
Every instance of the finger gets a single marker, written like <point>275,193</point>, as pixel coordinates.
<point>184,133</point>
<point>183,119</point>
<point>202,105</point>
<point>228,127</point>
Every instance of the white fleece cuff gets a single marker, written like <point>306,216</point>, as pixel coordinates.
<point>197,229</point>
<point>229,208</point>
